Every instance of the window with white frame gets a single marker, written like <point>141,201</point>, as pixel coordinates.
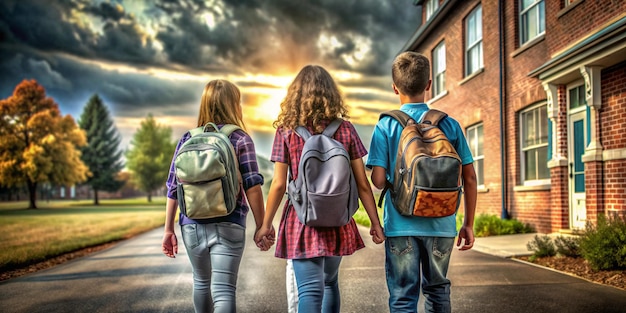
<point>474,41</point>
<point>532,19</point>
<point>534,145</point>
<point>439,69</point>
<point>475,142</point>
<point>431,6</point>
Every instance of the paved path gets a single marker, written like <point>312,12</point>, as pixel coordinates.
<point>133,276</point>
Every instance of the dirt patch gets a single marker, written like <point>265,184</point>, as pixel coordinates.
<point>580,267</point>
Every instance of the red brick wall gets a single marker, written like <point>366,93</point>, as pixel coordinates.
<point>613,121</point>
<point>522,91</point>
<point>476,100</point>
<point>566,26</point>
<point>613,112</point>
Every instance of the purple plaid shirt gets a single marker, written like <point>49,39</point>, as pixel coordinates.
<point>248,167</point>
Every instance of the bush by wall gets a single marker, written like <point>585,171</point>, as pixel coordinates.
<point>492,225</point>
<point>604,245</point>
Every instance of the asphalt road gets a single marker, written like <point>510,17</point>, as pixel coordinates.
<point>134,276</point>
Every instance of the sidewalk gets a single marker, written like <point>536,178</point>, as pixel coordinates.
<point>505,246</point>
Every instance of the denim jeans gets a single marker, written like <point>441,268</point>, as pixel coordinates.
<point>215,252</point>
<point>414,262</point>
<point>318,285</point>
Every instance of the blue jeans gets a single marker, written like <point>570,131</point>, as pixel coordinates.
<point>215,252</point>
<point>414,262</point>
<point>318,285</point>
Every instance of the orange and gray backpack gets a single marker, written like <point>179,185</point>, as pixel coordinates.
<point>428,173</point>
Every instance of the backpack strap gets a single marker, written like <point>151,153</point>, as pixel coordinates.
<point>196,131</point>
<point>433,117</point>
<point>332,127</point>
<point>229,129</point>
<point>302,132</point>
<point>399,116</point>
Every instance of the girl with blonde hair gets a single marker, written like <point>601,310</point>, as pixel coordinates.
<point>215,245</point>
<point>313,100</point>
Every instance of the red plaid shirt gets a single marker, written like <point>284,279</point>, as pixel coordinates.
<point>295,240</point>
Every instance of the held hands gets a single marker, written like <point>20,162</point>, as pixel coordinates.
<point>265,237</point>
<point>378,234</point>
<point>170,244</point>
<point>466,234</point>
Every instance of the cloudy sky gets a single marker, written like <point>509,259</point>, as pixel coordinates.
<point>155,56</point>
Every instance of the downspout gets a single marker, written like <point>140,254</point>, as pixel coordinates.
<point>504,214</point>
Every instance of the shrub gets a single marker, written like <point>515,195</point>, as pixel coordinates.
<point>604,245</point>
<point>541,246</point>
<point>492,225</point>
<point>567,246</point>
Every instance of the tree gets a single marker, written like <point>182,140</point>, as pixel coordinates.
<point>150,156</point>
<point>101,154</point>
<point>37,144</point>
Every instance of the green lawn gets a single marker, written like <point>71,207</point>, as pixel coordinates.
<point>58,227</point>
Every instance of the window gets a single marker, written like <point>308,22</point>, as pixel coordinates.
<point>474,41</point>
<point>439,69</point>
<point>532,19</point>
<point>431,7</point>
<point>475,142</point>
<point>577,97</point>
<point>534,124</point>
<point>568,2</point>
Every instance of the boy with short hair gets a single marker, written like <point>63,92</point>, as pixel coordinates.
<point>417,249</point>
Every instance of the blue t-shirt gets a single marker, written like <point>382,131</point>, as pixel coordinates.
<point>383,150</point>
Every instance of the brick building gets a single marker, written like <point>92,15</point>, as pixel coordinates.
<point>540,87</point>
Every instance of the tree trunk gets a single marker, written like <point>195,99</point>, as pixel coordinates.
<point>149,196</point>
<point>95,197</point>
<point>32,192</point>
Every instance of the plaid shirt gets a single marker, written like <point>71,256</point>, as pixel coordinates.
<point>295,240</point>
<point>248,167</point>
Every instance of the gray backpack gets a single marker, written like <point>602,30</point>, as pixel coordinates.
<point>325,193</point>
<point>208,173</point>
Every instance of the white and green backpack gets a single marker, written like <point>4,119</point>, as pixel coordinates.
<point>208,173</point>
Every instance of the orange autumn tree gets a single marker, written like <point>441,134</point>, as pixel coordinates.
<point>38,144</point>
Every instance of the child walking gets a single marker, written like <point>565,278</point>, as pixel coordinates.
<point>215,245</point>
<point>313,100</point>
<point>417,249</point>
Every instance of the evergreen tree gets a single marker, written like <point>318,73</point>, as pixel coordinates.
<point>101,154</point>
<point>150,156</point>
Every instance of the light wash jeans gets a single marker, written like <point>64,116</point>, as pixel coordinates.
<point>411,262</point>
<point>318,285</point>
<point>215,252</point>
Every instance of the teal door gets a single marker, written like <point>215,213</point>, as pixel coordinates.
<point>577,138</point>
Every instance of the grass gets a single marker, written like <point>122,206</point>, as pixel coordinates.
<point>361,218</point>
<point>58,227</point>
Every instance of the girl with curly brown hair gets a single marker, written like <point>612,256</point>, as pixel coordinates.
<point>313,100</point>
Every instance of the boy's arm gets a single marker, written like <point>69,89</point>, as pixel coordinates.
<point>379,177</point>
<point>466,232</point>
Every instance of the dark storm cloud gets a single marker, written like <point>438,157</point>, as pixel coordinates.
<point>71,84</point>
<point>61,42</point>
<point>48,26</point>
<point>251,34</point>
<point>107,11</point>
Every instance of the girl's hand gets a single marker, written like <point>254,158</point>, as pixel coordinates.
<point>378,234</point>
<point>170,244</point>
<point>264,238</point>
